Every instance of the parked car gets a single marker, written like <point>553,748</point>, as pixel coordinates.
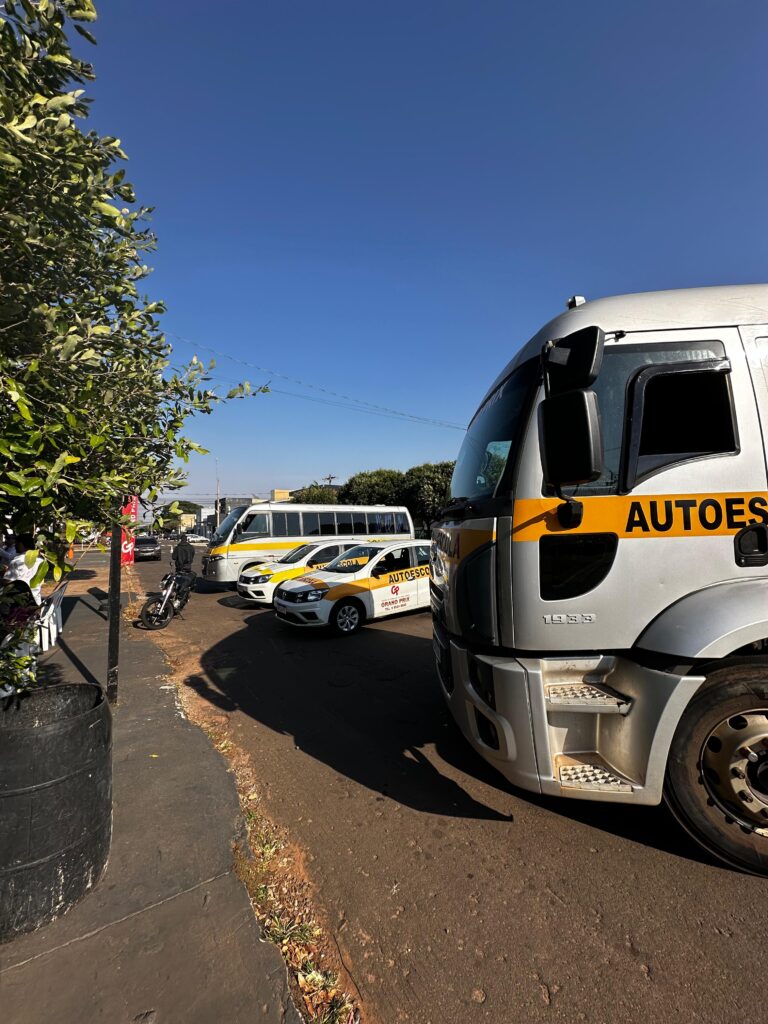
<point>147,549</point>
<point>196,538</point>
<point>258,582</point>
<point>367,582</point>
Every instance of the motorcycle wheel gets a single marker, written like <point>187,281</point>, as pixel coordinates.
<point>151,616</point>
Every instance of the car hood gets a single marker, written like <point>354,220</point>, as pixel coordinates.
<point>320,580</point>
<point>262,569</point>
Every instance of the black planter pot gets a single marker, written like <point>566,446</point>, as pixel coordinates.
<point>55,802</point>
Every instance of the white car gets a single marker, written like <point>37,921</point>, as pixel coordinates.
<point>259,582</point>
<point>195,538</point>
<point>367,582</point>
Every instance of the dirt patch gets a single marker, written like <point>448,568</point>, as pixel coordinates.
<point>271,867</point>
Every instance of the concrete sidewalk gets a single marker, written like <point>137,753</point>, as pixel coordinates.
<point>168,935</point>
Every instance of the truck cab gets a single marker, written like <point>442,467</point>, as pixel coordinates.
<point>600,576</point>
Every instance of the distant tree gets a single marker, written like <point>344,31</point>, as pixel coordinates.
<point>171,514</point>
<point>373,487</point>
<point>315,494</point>
<point>425,490</point>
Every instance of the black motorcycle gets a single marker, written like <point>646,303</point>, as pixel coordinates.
<point>160,609</point>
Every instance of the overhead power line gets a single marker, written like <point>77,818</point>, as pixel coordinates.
<point>334,397</point>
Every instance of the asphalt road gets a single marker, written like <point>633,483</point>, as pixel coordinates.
<point>454,897</point>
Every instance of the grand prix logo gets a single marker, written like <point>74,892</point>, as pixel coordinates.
<point>395,590</point>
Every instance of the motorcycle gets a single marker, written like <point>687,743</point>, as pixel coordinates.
<point>161,608</point>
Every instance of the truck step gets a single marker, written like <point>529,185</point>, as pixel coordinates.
<point>589,772</point>
<point>596,700</point>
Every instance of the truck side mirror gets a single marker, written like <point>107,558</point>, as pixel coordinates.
<point>573,362</point>
<point>571,446</point>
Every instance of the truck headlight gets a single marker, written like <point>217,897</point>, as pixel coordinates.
<point>214,558</point>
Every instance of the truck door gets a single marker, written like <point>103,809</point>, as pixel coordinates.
<point>684,471</point>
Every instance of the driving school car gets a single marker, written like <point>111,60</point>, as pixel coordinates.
<point>367,582</point>
<point>258,582</point>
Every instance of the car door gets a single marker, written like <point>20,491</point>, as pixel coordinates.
<point>421,560</point>
<point>393,581</point>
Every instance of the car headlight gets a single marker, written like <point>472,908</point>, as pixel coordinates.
<point>314,595</point>
<point>259,579</point>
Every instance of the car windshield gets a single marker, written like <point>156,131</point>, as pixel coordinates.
<point>354,559</point>
<point>492,435</point>
<point>296,554</point>
<point>146,541</point>
<point>227,525</point>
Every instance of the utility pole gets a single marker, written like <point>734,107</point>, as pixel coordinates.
<point>217,493</point>
<point>328,479</point>
<point>113,610</point>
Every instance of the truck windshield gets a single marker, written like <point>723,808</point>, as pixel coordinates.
<point>492,434</point>
<point>227,525</point>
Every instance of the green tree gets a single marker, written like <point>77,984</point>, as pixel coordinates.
<point>91,408</point>
<point>373,487</point>
<point>425,490</point>
<point>315,494</point>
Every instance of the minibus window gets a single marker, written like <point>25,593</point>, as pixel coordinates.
<point>224,529</point>
<point>327,524</point>
<point>311,524</point>
<point>358,523</point>
<point>286,524</point>
<point>256,525</point>
<point>344,523</point>
<point>401,523</point>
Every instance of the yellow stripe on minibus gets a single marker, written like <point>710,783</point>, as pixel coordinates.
<point>647,515</point>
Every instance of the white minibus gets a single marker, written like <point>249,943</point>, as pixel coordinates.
<point>264,532</point>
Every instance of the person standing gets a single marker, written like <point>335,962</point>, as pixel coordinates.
<point>18,568</point>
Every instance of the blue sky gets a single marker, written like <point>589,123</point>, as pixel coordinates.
<point>386,199</point>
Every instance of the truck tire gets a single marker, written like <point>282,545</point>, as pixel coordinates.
<point>347,616</point>
<point>717,773</point>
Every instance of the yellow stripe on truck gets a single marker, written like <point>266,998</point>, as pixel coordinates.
<point>663,515</point>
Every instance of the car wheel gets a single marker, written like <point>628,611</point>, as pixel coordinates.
<point>717,773</point>
<point>347,617</point>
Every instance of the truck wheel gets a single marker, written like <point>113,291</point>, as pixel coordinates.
<point>347,617</point>
<point>717,774</point>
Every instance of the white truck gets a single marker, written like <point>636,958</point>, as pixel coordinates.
<point>600,578</point>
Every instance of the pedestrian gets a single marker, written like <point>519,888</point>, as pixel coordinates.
<point>18,568</point>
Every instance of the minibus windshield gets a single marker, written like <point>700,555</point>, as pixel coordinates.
<point>296,554</point>
<point>354,559</point>
<point>492,434</point>
<point>227,525</point>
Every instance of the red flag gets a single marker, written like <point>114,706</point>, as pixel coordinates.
<point>131,508</point>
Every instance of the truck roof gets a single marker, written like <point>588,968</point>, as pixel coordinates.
<point>720,306</point>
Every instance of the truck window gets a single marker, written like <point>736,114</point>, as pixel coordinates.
<point>620,366</point>
<point>683,416</point>
<point>492,434</point>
